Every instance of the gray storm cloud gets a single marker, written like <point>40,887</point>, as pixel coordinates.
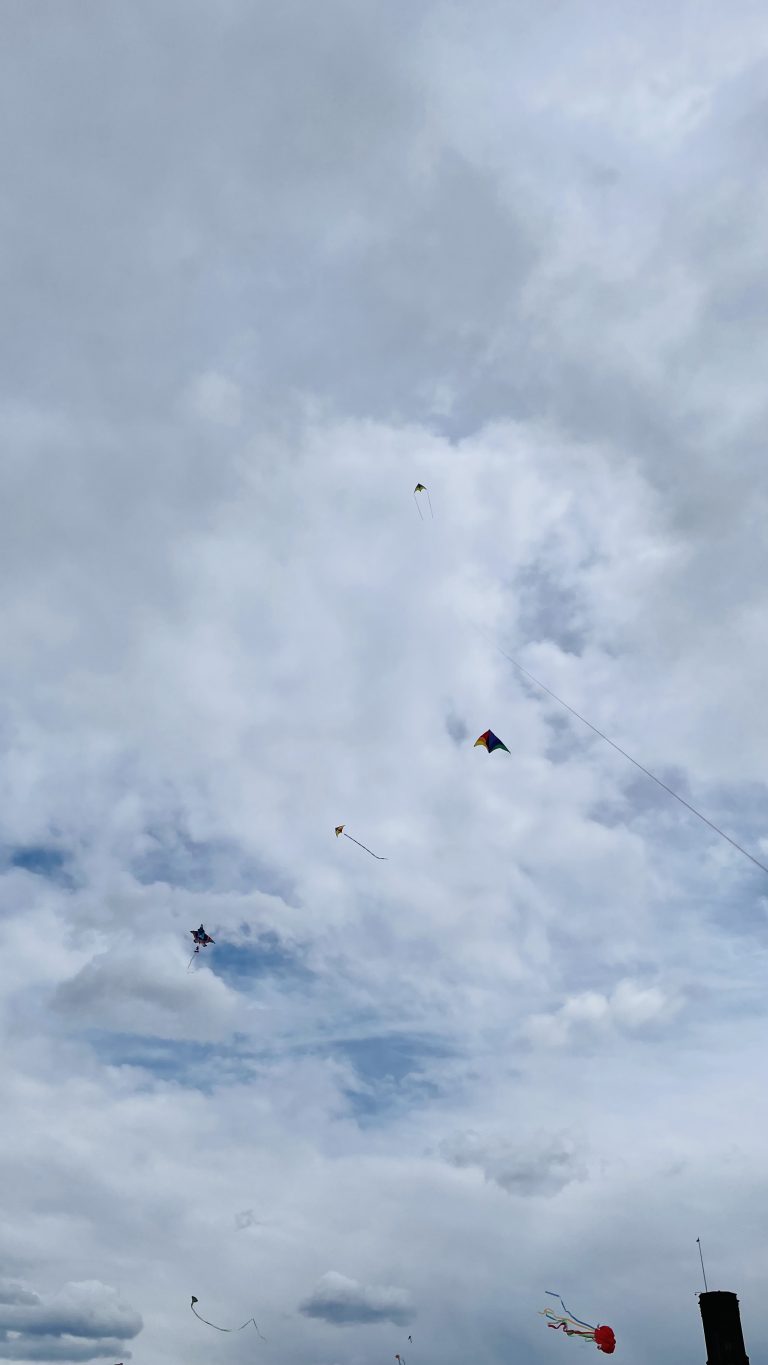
<point>84,1321</point>
<point>337,1299</point>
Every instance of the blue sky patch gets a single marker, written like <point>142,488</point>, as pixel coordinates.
<point>44,861</point>
<point>265,956</point>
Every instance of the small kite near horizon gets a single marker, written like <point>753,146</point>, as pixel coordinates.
<point>340,830</point>
<point>422,488</point>
<point>603,1337</point>
<point>223,1329</point>
<point>491,742</point>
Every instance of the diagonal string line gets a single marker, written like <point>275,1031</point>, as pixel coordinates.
<point>624,754</point>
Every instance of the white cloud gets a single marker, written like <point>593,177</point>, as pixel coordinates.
<point>147,993</point>
<point>242,315</point>
<point>629,1007</point>
<point>542,1165</point>
<point>216,399</point>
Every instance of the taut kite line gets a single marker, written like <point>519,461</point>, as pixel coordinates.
<point>340,830</point>
<point>634,761</point>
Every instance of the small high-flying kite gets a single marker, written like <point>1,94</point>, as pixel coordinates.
<point>491,742</point>
<point>603,1337</point>
<point>421,488</point>
<point>223,1329</point>
<point>340,830</point>
<point>201,940</point>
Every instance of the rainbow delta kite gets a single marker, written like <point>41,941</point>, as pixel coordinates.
<point>491,742</point>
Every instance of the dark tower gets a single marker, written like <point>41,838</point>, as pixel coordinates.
<point>722,1328</point>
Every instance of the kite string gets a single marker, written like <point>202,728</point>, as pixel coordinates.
<point>642,769</point>
<point>429,500</point>
<point>418,509</point>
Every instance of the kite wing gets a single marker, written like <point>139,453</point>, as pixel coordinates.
<point>491,742</point>
<point>339,830</point>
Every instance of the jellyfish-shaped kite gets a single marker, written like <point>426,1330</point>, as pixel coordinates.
<point>421,488</point>
<point>603,1337</point>
<point>491,742</point>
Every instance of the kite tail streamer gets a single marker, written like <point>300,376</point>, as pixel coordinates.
<point>570,1331</point>
<point>418,509</point>
<point>429,500</point>
<point>569,1315</point>
<point>191,960</point>
<point>224,1329</point>
<point>377,856</point>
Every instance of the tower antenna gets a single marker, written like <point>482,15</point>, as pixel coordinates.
<point>701,1258</point>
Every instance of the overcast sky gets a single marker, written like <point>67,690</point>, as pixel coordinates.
<point>264,267</point>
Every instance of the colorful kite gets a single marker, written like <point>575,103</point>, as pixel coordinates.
<point>603,1337</point>
<point>201,940</point>
<point>491,742</point>
<point>421,488</point>
<point>224,1329</point>
<point>340,830</point>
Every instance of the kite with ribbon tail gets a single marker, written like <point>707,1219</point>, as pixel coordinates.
<point>421,488</point>
<point>603,1337</point>
<point>224,1329</point>
<point>340,830</point>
